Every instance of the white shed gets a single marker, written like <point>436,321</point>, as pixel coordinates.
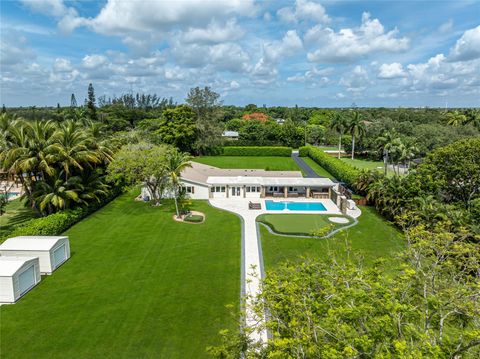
<point>52,251</point>
<point>17,276</point>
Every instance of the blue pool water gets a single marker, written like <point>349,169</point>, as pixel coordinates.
<point>294,206</point>
<point>11,194</point>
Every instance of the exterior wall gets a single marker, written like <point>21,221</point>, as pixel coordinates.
<point>6,290</point>
<point>43,256</point>
<point>200,191</point>
<point>59,244</point>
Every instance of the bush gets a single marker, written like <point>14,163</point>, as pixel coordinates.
<point>56,223</point>
<point>303,151</point>
<point>339,169</point>
<point>257,151</point>
<point>194,218</point>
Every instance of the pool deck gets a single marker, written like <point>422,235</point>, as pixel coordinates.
<point>252,257</point>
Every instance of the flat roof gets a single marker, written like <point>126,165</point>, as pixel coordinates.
<point>271,181</point>
<point>10,265</point>
<point>30,243</point>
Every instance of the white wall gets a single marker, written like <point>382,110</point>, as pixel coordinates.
<point>200,191</point>
<point>9,290</point>
<point>6,290</point>
<point>43,256</point>
<point>59,244</point>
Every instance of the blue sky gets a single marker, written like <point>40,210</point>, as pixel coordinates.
<point>305,52</point>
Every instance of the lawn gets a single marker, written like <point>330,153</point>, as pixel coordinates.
<point>138,285</point>
<point>16,213</point>
<point>254,162</point>
<point>364,164</point>
<point>372,237</point>
<point>298,223</point>
<point>319,170</point>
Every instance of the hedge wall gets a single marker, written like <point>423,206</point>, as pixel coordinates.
<point>339,169</point>
<point>257,151</point>
<point>56,223</point>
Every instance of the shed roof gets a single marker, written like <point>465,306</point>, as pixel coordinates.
<point>10,265</point>
<point>31,243</point>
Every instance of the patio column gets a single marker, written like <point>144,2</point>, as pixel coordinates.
<point>227,189</point>
<point>262,193</point>
<point>308,192</point>
<point>244,192</point>
<point>285,191</point>
<point>329,192</point>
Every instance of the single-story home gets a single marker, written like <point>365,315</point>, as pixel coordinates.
<point>52,251</point>
<point>232,135</point>
<point>203,182</point>
<point>17,276</point>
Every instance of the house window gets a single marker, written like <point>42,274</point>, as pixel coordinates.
<point>248,189</point>
<point>259,189</point>
<point>292,189</point>
<point>273,189</point>
<point>212,189</point>
<point>190,189</point>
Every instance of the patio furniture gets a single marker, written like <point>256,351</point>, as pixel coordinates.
<point>252,205</point>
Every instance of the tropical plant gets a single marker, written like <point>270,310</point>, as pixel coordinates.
<point>356,128</point>
<point>176,162</point>
<point>339,125</point>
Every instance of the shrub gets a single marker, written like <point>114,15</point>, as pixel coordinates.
<point>303,151</point>
<point>194,218</point>
<point>339,169</point>
<point>56,223</point>
<point>257,151</point>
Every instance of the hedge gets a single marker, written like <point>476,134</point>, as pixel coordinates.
<point>257,151</point>
<point>56,223</point>
<point>339,169</point>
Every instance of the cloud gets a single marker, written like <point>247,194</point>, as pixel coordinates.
<point>446,27</point>
<point>93,61</point>
<point>314,74</point>
<point>350,44</point>
<point>391,71</point>
<point>119,17</point>
<point>15,53</point>
<point>304,10</point>
<point>356,80</point>
<point>288,46</point>
<point>467,47</point>
<point>54,8</point>
<point>214,33</point>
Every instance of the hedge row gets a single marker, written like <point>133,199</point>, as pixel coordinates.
<point>257,151</point>
<point>339,169</point>
<point>56,223</point>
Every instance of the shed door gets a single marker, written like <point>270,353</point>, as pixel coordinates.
<point>26,279</point>
<point>59,256</point>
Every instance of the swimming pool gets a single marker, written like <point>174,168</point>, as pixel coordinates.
<point>10,194</point>
<point>294,206</point>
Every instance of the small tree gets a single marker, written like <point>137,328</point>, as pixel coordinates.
<point>176,162</point>
<point>92,110</point>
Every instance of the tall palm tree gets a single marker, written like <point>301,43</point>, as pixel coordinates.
<point>356,128</point>
<point>55,193</point>
<point>387,144</point>
<point>339,125</point>
<point>176,162</point>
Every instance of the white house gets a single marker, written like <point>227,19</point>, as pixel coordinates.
<point>52,251</point>
<point>203,182</point>
<point>17,276</point>
<point>232,135</point>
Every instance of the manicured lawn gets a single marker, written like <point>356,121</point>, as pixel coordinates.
<point>138,285</point>
<point>16,213</point>
<point>319,170</point>
<point>266,163</point>
<point>372,238</point>
<point>298,223</point>
<point>364,164</point>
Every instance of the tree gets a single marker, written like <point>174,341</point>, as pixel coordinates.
<point>315,134</point>
<point>177,127</point>
<point>455,118</point>
<point>356,128</point>
<point>339,125</point>
<point>206,105</point>
<point>176,162</point>
<point>91,107</point>
<point>142,163</point>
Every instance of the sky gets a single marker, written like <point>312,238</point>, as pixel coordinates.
<point>273,53</point>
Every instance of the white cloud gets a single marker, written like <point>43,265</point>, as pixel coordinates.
<point>54,8</point>
<point>304,10</point>
<point>93,61</point>
<point>446,27</point>
<point>356,80</point>
<point>467,47</point>
<point>391,71</point>
<point>213,33</point>
<point>314,74</point>
<point>288,46</point>
<point>234,85</point>
<point>15,53</point>
<point>119,17</point>
<point>62,65</point>
<point>351,43</point>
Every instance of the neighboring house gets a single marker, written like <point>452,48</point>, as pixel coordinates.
<point>280,121</point>
<point>231,135</point>
<point>203,182</point>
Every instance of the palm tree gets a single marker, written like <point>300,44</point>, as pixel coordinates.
<point>473,117</point>
<point>55,193</point>
<point>339,125</point>
<point>176,162</point>
<point>386,144</point>
<point>356,128</point>
<point>455,118</point>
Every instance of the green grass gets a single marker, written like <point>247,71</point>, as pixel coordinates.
<point>298,223</point>
<point>319,170</point>
<point>364,164</point>
<point>266,163</point>
<point>372,237</point>
<point>16,213</point>
<point>138,285</point>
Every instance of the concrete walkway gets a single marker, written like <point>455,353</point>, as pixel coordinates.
<point>252,266</point>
